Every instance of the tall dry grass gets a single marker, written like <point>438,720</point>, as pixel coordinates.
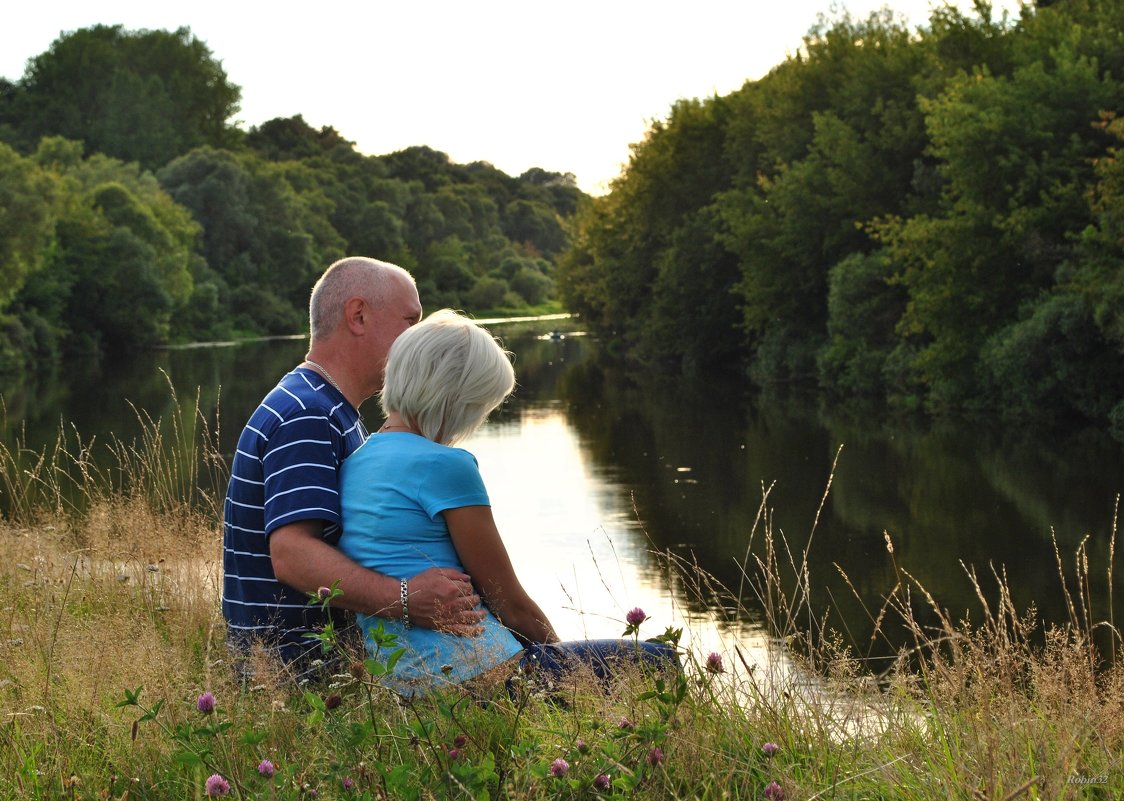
<point>110,579</point>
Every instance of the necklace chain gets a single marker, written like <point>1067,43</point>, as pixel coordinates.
<point>326,374</point>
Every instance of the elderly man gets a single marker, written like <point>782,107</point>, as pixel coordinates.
<point>282,510</point>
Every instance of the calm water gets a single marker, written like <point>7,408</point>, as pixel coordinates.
<point>592,472</point>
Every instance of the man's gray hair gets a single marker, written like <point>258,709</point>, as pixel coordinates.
<point>445,375</point>
<point>354,276</point>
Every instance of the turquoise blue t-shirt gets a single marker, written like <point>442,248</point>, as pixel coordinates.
<point>392,492</point>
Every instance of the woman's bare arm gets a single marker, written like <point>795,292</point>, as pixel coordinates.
<point>485,558</point>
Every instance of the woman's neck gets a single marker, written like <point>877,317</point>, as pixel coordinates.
<point>395,422</point>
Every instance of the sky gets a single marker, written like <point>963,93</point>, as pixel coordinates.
<point>533,83</point>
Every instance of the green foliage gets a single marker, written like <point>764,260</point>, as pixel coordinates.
<point>293,139</point>
<point>488,293</point>
<point>239,225</point>
<point>612,274</point>
<point>119,265</point>
<point>534,225</point>
<point>27,199</point>
<point>1055,359</point>
<point>693,321</point>
<point>531,284</point>
<point>143,96</point>
<point>899,214</point>
<point>862,311</point>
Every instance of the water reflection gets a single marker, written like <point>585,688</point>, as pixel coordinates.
<point>568,516</point>
<point>698,456</point>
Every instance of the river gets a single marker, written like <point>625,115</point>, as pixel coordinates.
<point>601,479</point>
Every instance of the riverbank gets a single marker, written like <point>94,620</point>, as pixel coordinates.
<point>114,683</point>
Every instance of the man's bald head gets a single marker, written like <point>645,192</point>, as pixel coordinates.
<point>355,276</point>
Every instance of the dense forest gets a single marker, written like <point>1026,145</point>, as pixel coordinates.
<point>928,218</point>
<point>134,213</point>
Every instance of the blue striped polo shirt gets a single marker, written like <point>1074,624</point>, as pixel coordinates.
<point>285,470</point>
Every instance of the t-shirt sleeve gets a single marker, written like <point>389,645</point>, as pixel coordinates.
<point>300,468</point>
<point>452,480</point>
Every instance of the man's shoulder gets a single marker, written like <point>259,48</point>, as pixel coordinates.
<point>297,395</point>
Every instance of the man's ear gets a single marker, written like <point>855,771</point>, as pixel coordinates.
<point>355,314</point>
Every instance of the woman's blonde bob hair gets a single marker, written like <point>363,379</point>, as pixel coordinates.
<point>445,375</point>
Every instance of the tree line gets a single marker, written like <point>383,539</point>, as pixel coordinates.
<point>930,218</point>
<point>134,213</point>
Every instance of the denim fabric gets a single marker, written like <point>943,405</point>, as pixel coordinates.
<point>599,655</point>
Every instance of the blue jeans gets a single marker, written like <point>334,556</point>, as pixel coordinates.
<point>557,658</point>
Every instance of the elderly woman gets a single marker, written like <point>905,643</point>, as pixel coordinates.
<point>411,500</point>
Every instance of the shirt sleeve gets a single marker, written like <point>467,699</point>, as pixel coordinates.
<point>301,472</point>
<point>452,480</point>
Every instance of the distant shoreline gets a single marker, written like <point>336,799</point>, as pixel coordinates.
<point>227,343</point>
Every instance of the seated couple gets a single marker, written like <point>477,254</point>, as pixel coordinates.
<point>410,501</point>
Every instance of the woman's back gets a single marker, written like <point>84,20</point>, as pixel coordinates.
<point>393,490</point>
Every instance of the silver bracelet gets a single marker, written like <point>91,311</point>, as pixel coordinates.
<point>405,603</point>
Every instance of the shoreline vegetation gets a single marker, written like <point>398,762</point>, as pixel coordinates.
<point>925,218</point>
<point>487,319</point>
<point>115,681</point>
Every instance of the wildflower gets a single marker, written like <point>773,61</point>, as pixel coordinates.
<point>265,768</point>
<point>655,756</point>
<point>582,746</point>
<point>324,593</point>
<point>714,663</point>
<point>459,741</point>
<point>602,781</point>
<point>217,785</point>
<point>635,616</point>
<point>774,792</point>
<point>206,703</point>
<point>454,754</point>
<point>348,783</point>
<point>333,701</point>
<point>770,749</point>
<point>559,767</point>
<point>626,724</point>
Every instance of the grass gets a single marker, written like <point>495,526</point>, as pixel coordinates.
<point>109,591</point>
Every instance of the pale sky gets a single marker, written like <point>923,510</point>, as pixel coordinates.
<point>533,83</point>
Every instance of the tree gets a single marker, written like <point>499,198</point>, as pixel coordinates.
<point>27,220</point>
<point>121,262</point>
<point>284,139</point>
<point>534,224</point>
<point>863,310</point>
<point>531,284</point>
<point>257,229</point>
<point>143,96</point>
<point>1015,156</point>
<point>613,271</point>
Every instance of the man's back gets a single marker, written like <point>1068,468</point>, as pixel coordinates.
<point>285,470</point>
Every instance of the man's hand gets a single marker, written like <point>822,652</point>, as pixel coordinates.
<point>442,598</point>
